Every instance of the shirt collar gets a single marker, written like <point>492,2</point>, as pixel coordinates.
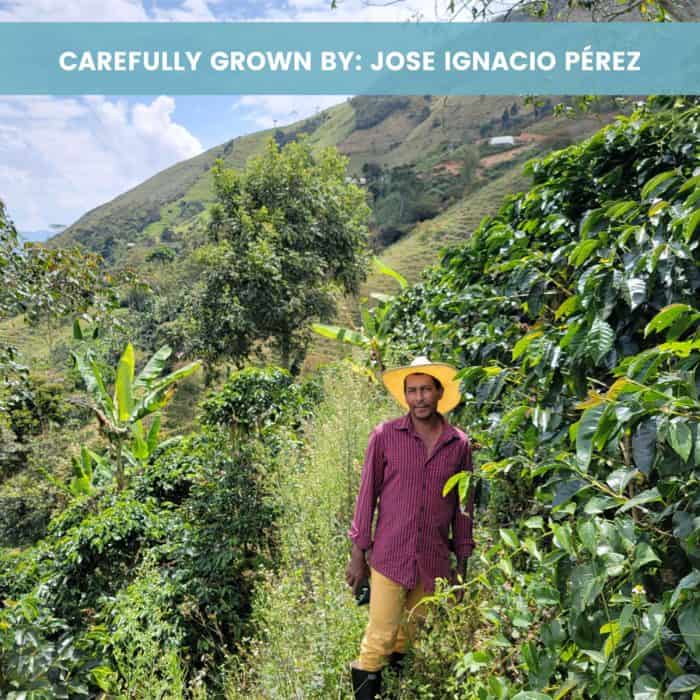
<point>406,424</point>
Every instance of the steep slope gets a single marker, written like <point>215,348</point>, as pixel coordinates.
<point>389,131</point>
<point>173,195</point>
<point>421,247</point>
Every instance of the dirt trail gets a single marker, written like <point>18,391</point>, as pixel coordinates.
<point>496,158</point>
<point>524,141</point>
<point>526,136</point>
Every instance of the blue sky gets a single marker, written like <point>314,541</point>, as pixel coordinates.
<point>62,156</point>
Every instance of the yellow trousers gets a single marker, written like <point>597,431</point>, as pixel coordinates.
<point>393,614</point>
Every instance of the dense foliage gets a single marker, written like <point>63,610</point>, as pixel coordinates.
<point>287,232</point>
<point>143,583</point>
<point>253,400</point>
<point>574,313</point>
<point>402,196</point>
<point>45,287</point>
<point>46,284</point>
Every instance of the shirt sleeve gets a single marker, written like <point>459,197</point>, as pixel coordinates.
<point>370,485</point>
<point>463,523</point>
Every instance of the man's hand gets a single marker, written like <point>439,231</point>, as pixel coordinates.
<point>357,569</point>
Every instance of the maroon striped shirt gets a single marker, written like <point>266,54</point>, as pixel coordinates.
<point>417,527</point>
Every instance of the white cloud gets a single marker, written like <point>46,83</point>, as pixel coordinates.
<point>62,157</point>
<point>41,108</point>
<point>8,110</point>
<point>75,11</point>
<point>266,111</point>
<point>189,11</point>
<point>100,11</point>
<point>154,124</point>
<point>212,10</point>
<point>365,11</point>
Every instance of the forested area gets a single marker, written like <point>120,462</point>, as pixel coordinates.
<point>128,567</point>
<point>205,559</point>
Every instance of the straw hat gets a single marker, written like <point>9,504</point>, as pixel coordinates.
<point>394,378</point>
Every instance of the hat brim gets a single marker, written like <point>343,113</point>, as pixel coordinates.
<point>393,380</point>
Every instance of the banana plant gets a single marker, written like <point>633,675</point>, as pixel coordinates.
<point>84,472</point>
<point>373,335</point>
<point>120,414</point>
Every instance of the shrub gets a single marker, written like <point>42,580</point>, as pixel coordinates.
<point>250,399</point>
<point>40,656</point>
<point>162,254</point>
<point>146,636</point>
<point>23,519</point>
<point>573,314</point>
<point>33,405</point>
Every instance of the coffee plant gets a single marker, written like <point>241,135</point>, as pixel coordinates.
<point>574,316</point>
<point>144,581</point>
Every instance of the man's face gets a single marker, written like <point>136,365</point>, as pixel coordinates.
<point>422,396</point>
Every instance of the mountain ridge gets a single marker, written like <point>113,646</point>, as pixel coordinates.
<point>390,131</point>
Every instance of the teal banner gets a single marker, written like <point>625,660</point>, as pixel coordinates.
<point>349,58</point>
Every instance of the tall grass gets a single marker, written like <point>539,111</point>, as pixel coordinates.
<point>307,626</point>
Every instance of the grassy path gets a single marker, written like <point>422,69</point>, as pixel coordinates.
<point>307,624</point>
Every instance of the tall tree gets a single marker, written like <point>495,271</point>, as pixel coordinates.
<point>44,285</point>
<point>287,235</point>
<point>9,265</point>
<point>48,285</point>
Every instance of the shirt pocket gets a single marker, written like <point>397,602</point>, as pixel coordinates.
<point>439,472</point>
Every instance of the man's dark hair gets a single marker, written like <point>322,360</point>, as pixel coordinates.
<point>438,383</point>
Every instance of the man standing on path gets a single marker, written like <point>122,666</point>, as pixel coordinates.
<point>407,463</point>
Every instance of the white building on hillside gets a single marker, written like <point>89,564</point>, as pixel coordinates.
<point>502,141</point>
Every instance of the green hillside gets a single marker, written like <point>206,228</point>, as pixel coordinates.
<point>418,132</point>
<point>425,136</point>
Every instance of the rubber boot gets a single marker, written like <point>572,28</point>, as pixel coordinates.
<point>366,685</point>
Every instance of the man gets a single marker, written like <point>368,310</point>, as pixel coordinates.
<point>407,463</point>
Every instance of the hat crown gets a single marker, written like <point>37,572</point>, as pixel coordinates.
<point>394,381</point>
